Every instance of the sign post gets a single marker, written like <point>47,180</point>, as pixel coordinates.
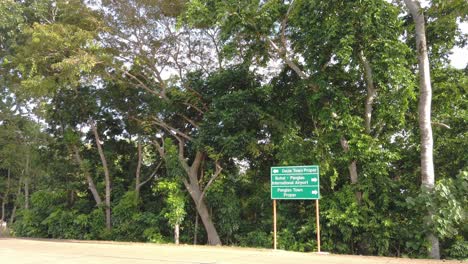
<point>295,183</point>
<point>274,224</point>
<point>317,219</point>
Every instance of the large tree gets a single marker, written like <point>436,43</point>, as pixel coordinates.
<point>424,109</point>
<point>157,57</point>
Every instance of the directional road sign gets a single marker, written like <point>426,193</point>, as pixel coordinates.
<point>295,183</point>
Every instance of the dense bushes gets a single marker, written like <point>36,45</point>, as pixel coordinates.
<point>346,225</point>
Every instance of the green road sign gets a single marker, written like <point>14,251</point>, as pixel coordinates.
<point>295,183</point>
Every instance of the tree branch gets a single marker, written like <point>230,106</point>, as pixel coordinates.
<point>142,84</point>
<point>138,168</point>
<point>212,179</point>
<point>159,148</point>
<point>441,124</point>
<point>371,91</point>
<point>101,152</point>
<point>194,106</point>
<point>189,120</point>
<point>171,129</point>
<point>197,161</point>
<point>107,178</point>
<point>89,179</point>
<point>153,175</point>
<point>283,51</point>
<point>182,156</point>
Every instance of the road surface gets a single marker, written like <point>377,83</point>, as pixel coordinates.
<point>28,251</point>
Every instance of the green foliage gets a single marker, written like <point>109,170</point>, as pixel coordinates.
<point>55,67</point>
<point>130,224</point>
<point>175,201</point>
<point>227,130</point>
<point>152,235</point>
<point>56,44</point>
<point>247,20</point>
<point>173,168</point>
<point>256,239</point>
<point>63,224</point>
<point>459,249</point>
<point>91,224</point>
<point>447,204</point>
<point>48,217</point>
<point>226,205</point>
<point>450,204</point>
<point>31,222</point>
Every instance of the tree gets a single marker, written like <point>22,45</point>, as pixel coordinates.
<point>175,205</point>
<point>150,115</point>
<point>153,45</point>
<point>424,109</point>
<point>20,141</point>
<point>325,44</point>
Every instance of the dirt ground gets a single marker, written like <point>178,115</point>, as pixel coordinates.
<point>29,251</point>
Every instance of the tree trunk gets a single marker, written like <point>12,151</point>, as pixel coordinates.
<point>106,176</point>
<point>26,183</point>
<point>195,232</point>
<point>352,167</point>
<point>424,109</point>
<point>371,91</point>
<point>89,179</point>
<point>193,187</point>
<point>176,234</point>
<point>138,172</point>
<point>3,210</point>
<point>26,193</point>
<point>13,212</point>
<point>6,195</point>
<point>195,193</point>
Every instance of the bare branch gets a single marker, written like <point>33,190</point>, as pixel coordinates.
<point>216,45</point>
<point>107,178</point>
<point>182,159</point>
<point>283,51</point>
<point>441,124</point>
<point>142,84</point>
<point>215,175</point>
<point>89,179</point>
<point>189,120</point>
<point>171,129</point>
<point>159,148</point>
<point>152,175</point>
<point>283,26</point>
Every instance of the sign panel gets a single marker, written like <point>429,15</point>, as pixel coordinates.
<point>295,183</point>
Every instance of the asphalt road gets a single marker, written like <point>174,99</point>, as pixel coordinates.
<point>27,251</point>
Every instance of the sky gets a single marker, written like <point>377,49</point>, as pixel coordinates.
<point>459,58</point>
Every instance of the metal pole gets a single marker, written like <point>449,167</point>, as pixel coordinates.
<point>274,224</point>
<point>318,224</point>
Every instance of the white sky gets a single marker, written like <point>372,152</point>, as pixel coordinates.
<point>459,58</point>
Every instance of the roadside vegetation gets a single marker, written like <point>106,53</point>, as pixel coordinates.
<point>158,121</point>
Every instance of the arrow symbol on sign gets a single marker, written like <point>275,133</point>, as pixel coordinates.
<point>314,192</point>
<point>275,171</point>
<point>314,179</point>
